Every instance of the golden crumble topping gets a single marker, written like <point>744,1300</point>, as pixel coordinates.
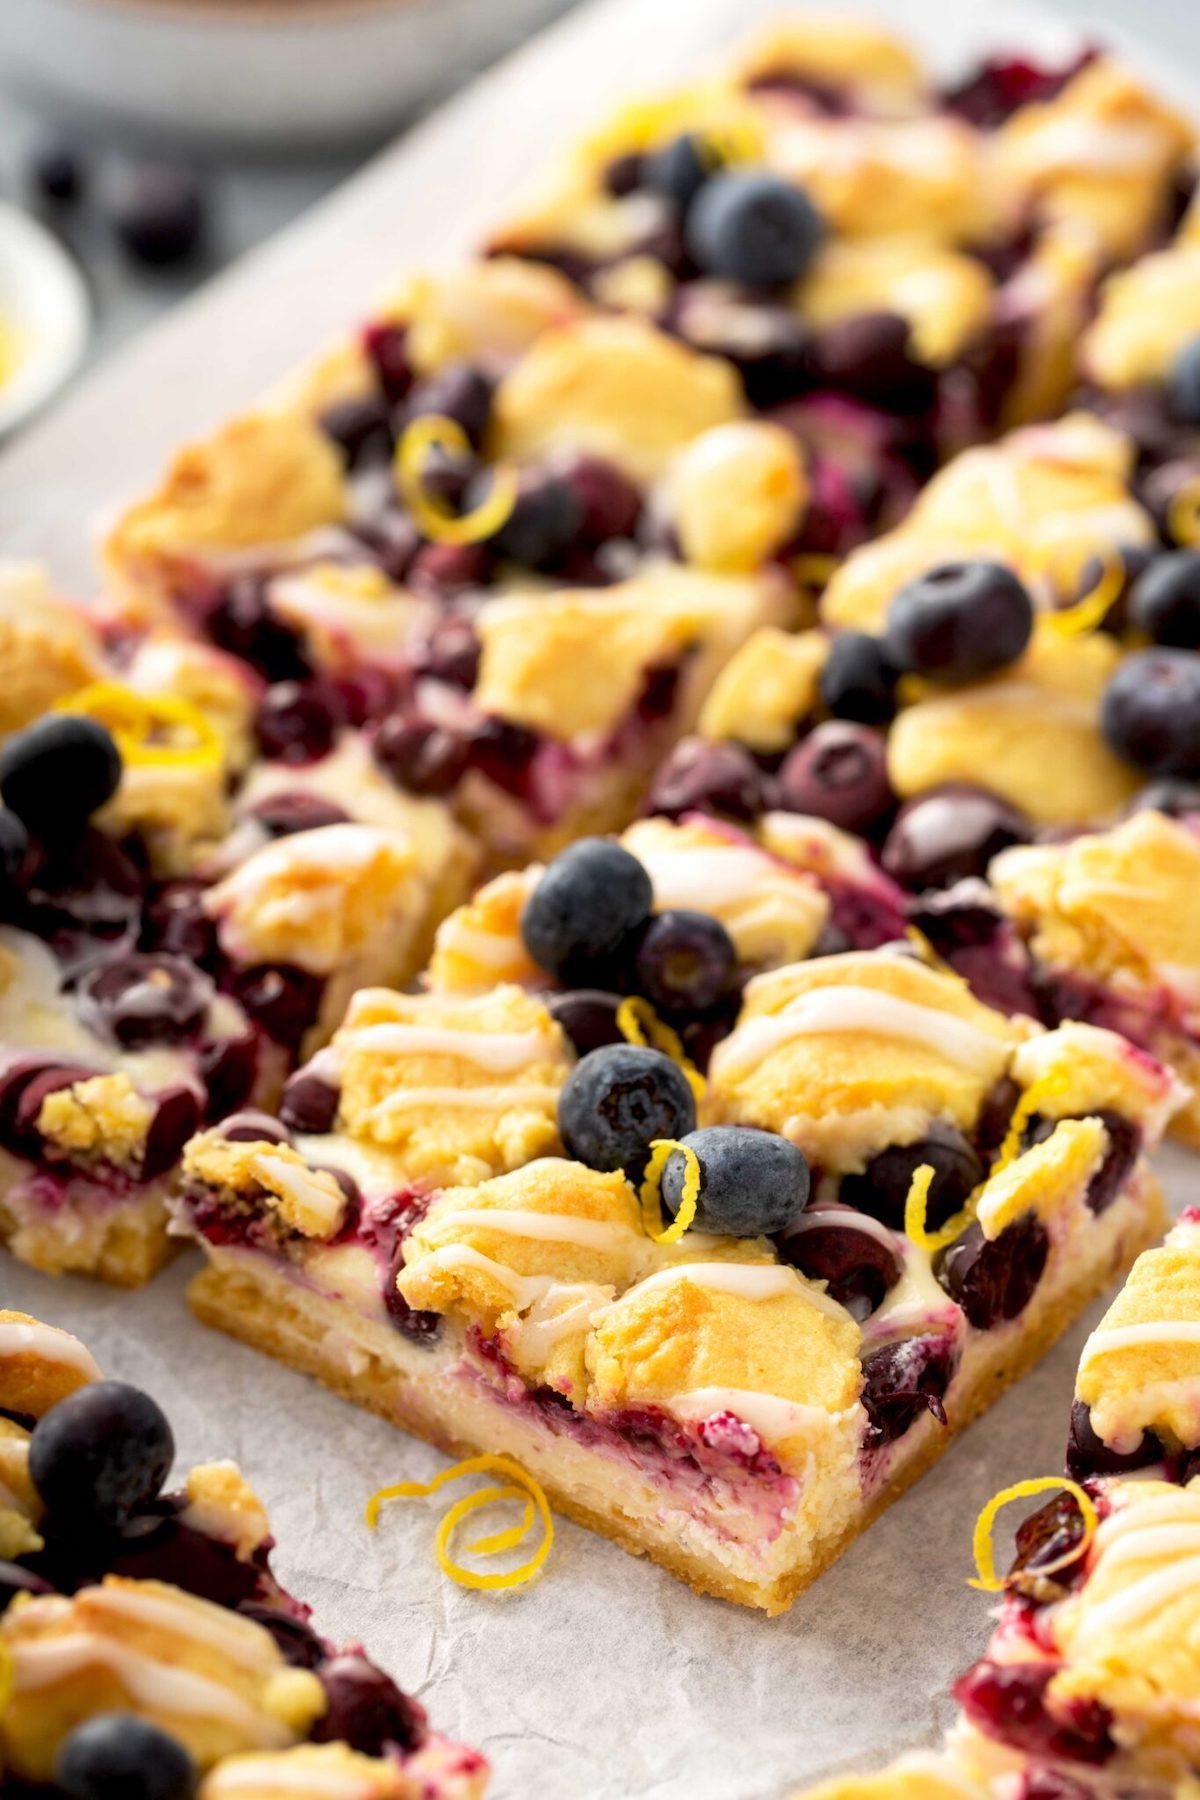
<point>945,295</point>
<point>766,689</point>
<point>322,1771</point>
<point>48,649</point>
<point>1140,1369</point>
<point>738,494</point>
<point>487,313</point>
<point>1148,313</point>
<point>39,1364</point>
<point>102,1119</point>
<point>478,946</point>
<point>306,1200</point>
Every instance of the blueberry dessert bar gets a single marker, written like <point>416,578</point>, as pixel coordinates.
<point>899,1198</point>
<point>145,1646</point>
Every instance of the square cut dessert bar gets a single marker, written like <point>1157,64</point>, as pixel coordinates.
<point>145,1645</point>
<point>740,1399</point>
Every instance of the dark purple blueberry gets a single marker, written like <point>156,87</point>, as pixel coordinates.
<point>119,1756</point>
<point>309,1104</point>
<point>949,834</point>
<point>544,522</point>
<point>298,721</point>
<point>56,773</point>
<point>859,1270</point>
<point>1151,711</point>
<point>392,540</point>
<point>449,651</point>
<point>159,215</point>
<point>175,922</point>
<point>838,772</point>
<point>1009,1702</point>
<point>176,1119</point>
<point>678,170</point>
<point>722,779</point>
<point>444,570</point>
<point>15,1580</point>
<point>22,1091</point>
<point>585,908</point>
<point>588,1016</point>
<point>459,392</point>
<point>242,623</point>
<point>281,999</point>
<point>881,1189</point>
<point>869,356</point>
<point>610,504</point>
<point>753,227</point>
<point>994,1279</point>
<point>148,998</point>
<point>1172,796</point>
<point>961,620</point>
<point>100,1454</point>
<point>1002,84</point>
<point>858,682</point>
<point>291,810</point>
<point>295,1638</point>
<point>616,1100</point>
<point>502,751</point>
<point>419,1327</point>
<point>386,349</point>
<point>1164,602</point>
<point>366,1710</point>
<point>253,1127</point>
<point>901,1382</point>
<point>1124,1147</point>
<point>419,756</point>
<point>685,961</point>
<point>1183,386</point>
<point>362,431</point>
<point>623,175</point>
<point>14,848</point>
<point>752,1183</point>
<point>1089,1455</point>
<point>57,175</point>
<point>228,1067</point>
<point>81,897</point>
<point>1047,1536</point>
<point>1049,1784</point>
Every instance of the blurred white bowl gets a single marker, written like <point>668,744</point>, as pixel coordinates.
<point>285,73</point>
<point>44,302</point>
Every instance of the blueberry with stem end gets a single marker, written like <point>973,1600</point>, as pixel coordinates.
<point>56,773</point>
<point>119,1756</point>
<point>99,1455</point>
<point>858,682</point>
<point>617,1101</point>
<point>959,620</point>
<point>838,772</point>
<point>753,227</point>
<point>1164,602</point>
<point>1150,713</point>
<point>585,908</point>
<point>752,1183</point>
<point>685,961</point>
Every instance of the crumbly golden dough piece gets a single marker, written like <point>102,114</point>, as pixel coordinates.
<point>486,312</point>
<point>223,689</point>
<point>835,51</point>
<point>1140,1369</point>
<point>478,946</point>
<point>102,1119</point>
<point>738,494</point>
<point>48,649</point>
<point>323,1771</point>
<point>39,1365</point>
<point>1032,733</point>
<point>849,1054</point>
<point>766,689</point>
<point>1079,1068</point>
<point>1147,314</point>
<point>20,1504</point>
<point>923,177</point>
<point>617,387</point>
<point>1047,1179</point>
<point>273,1176</point>
<point>221,1504</point>
<point>943,293</point>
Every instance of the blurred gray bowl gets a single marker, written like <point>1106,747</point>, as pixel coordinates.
<point>285,74</point>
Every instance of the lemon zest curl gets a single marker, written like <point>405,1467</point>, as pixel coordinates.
<point>519,1485</point>
<point>427,435</point>
<point>149,728</point>
<point>651,1191</point>
<point>639,1024</point>
<point>916,1207</point>
<point>987,1580</point>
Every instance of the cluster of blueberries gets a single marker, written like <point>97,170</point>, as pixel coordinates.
<point>98,1460</point>
<point>53,776</point>
<point>157,212</point>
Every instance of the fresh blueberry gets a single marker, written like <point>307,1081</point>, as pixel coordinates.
<point>869,356</point>
<point>685,961</point>
<point>838,772</point>
<point>881,1189</point>
<point>298,721</point>
<point>419,756</point>
<point>14,848</point>
<point>617,1100</point>
<point>753,227</point>
<point>949,834</point>
<point>100,1454</point>
<point>678,171</point>
<point>543,524</point>
<point>118,1756</point>
<point>309,1104</point>
<point>1172,796</point>
<point>252,1127</point>
<point>385,344</point>
<point>459,392</point>
<point>752,1183</point>
<point>585,909</point>
<point>145,999</point>
<point>365,1709</point>
<point>362,431</point>
<point>1088,1454</point>
<point>588,1016</point>
<point>281,999</point>
<point>722,779</point>
<point>993,1279</point>
<point>961,620</point>
<point>858,682</point>
<point>296,1640</point>
<point>858,1270</point>
<point>902,1381</point>
<point>57,175</point>
<point>159,215</point>
<point>175,1119</point>
<point>610,505</point>
<point>1183,388</point>
<point>229,1069</point>
<point>1151,711</point>
<point>55,774</point>
<point>1165,600</point>
<point>243,623</point>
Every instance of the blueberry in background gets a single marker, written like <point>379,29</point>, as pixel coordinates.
<point>685,961</point>
<point>838,772</point>
<point>100,1454</point>
<point>118,1756</point>
<point>55,774</point>
<point>1150,713</point>
<point>585,909</point>
<point>718,778</point>
<point>1165,600</point>
<point>616,1101</point>
<point>57,175</point>
<point>159,215</point>
<point>14,848</point>
<point>950,833</point>
<point>1183,388</point>
<point>960,620</point>
<point>858,682</point>
<point>752,227</point>
<point>678,170</point>
<point>752,1183</point>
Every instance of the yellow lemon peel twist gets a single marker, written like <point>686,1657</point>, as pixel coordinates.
<point>1183,514</point>
<point>431,433</point>
<point>812,569</point>
<point>916,1206</point>
<point>987,1580</point>
<point>1091,609</point>
<point>519,1485</point>
<point>1048,1088</point>
<point>149,728</point>
<point>651,1191</point>
<point>639,1024</point>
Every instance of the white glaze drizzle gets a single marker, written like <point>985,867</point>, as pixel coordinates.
<point>769,1415</point>
<point>301,1185</point>
<point>748,1281</point>
<point>48,1344</point>
<point>1129,1337</point>
<point>822,1011</point>
<point>240,1640</point>
<point>492,1099</point>
<point>1140,1599</point>
<point>500,1052</point>
<point>552,1228</point>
